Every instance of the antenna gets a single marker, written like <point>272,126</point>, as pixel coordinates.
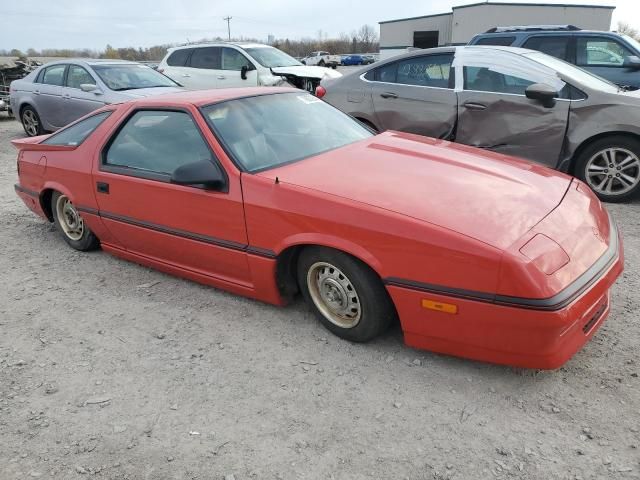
<point>228,20</point>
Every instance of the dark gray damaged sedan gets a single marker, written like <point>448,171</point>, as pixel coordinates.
<point>513,101</point>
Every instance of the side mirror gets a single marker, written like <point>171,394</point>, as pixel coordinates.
<point>89,87</point>
<point>543,93</point>
<point>631,62</point>
<point>243,72</point>
<point>202,172</point>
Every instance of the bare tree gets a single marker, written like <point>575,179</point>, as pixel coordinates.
<point>627,29</point>
<point>367,37</point>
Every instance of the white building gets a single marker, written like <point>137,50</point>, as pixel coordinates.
<point>465,21</point>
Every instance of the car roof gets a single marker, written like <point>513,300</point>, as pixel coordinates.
<point>200,98</point>
<point>91,61</point>
<point>452,49</point>
<point>505,31</point>
<point>220,44</point>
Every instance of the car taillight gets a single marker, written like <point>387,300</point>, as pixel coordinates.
<point>320,91</point>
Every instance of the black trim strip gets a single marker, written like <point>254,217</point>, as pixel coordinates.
<point>91,211</point>
<point>31,193</point>
<point>556,302</point>
<point>261,252</point>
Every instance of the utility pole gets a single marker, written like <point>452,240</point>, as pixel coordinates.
<point>228,19</point>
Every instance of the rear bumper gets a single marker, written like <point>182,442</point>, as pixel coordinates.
<point>31,199</point>
<point>534,336</point>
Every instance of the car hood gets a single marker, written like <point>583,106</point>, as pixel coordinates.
<point>147,92</point>
<point>490,197</point>
<point>306,71</point>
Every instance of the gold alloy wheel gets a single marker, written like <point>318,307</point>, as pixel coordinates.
<point>69,218</point>
<point>334,295</point>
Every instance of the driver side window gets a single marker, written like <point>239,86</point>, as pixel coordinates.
<point>157,142</point>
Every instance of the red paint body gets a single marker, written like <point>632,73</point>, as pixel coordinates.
<point>420,212</point>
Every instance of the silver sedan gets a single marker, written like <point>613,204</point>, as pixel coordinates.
<point>60,92</point>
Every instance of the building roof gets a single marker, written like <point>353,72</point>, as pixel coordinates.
<point>563,5</point>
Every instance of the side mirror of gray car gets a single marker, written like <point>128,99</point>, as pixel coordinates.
<point>90,87</point>
<point>543,93</point>
<point>631,62</point>
<point>202,172</point>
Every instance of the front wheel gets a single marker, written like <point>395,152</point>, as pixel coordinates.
<point>71,225</point>
<point>611,167</point>
<point>345,294</point>
<point>321,63</point>
<point>31,122</point>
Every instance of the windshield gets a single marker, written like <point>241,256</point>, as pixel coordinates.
<point>582,77</point>
<point>271,57</point>
<point>268,131</point>
<point>131,77</point>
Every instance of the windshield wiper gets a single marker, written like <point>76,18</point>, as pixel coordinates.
<point>136,88</point>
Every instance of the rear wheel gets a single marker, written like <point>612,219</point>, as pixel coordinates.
<point>31,122</point>
<point>346,295</point>
<point>71,225</point>
<point>321,63</point>
<point>611,167</point>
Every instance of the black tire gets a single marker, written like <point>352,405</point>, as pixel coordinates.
<point>623,144</point>
<point>334,66</point>
<point>28,116</point>
<point>84,241</point>
<point>375,306</point>
<point>321,63</point>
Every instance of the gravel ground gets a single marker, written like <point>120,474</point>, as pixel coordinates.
<point>113,370</point>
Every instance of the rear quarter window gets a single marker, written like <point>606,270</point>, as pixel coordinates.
<point>500,41</point>
<point>77,133</point>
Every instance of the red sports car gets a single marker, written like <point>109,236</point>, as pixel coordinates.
<point>270,192</point>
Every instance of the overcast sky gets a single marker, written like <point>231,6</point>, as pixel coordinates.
<point>121,23</point>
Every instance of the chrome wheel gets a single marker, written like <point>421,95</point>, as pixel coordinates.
<point>613,171</point>
<point>334,295</point>
<point>30,122</point>
<point>69,218</point>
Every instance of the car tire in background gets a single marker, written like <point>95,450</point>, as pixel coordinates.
<point>31,121</point>
<point>611,167</point>
<point>71,225</point>
<point>347,296</point>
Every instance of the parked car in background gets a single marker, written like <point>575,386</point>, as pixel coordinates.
<point>268,192</point>
<point>368,59</point>
<point>239,64</point>
<point>352,60</point>
<point>509,100</point>
<point>60,92</point>
<point>322,59</point>
<point>610,55</point>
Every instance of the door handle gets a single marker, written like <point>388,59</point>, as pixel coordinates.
<point>475,106</point>
<point>221,77</point>
<point>66,96</point>
<point>36,92</point>
<point>102,187</point>
<point>388,95</point>
<point>186,75</point>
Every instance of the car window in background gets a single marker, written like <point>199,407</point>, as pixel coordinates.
<point>386,73</point>
<point>206,57</point>
<point>498,41</point>
<point>271,57</point>
<point>233,59</point>
<point>555,46</point>
<point>54,75</point>
<point>267,131</point>
<point>77,76</point>
<point>78,132</point>
<point>573,73</point>
<point>427,71</point>
<point>600,52</point>
<point>131,76</point>
<point>179,58</point>
<point>157,141</point>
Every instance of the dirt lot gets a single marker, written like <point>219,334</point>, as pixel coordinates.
<point>112,370</point>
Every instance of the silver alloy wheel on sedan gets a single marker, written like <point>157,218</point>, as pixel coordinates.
<point>334,295</point>
<point>613,171</point>
<point>69,218</point>
<point>31,122</point>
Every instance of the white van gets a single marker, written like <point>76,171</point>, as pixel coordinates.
<point>237,64</point>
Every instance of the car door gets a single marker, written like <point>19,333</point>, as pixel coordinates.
<point>495,114</point>
<point>48,96</point>
<point>176,66</point>
<point>415,95</point>
<point>198,230</point>
<point>605,56</point>
<point>230,73</point>
<point>203,69</point>
<point>78,103</point>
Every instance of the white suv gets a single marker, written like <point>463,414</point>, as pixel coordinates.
<point>231,64</point>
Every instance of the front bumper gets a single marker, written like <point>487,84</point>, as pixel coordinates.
<point>534,336</point>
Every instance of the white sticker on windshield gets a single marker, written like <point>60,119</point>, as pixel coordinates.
<point>308,99</point>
